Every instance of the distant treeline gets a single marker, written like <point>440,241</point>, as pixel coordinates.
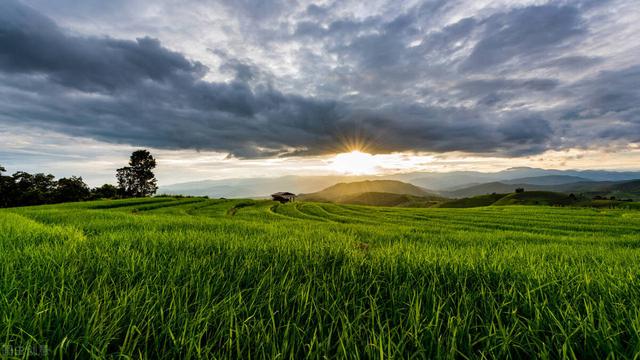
<point>24,189</point>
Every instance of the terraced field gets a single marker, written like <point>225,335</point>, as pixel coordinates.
<point>192,278</point>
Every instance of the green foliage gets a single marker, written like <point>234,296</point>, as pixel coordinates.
<point>137,179</point>
<point>71,189</point>
<point>190,278</point>
<point>106,191</point>
<point>24,189</point>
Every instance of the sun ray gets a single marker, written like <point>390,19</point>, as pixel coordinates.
<point>354,163</point>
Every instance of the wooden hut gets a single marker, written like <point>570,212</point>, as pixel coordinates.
<point>283,197</point>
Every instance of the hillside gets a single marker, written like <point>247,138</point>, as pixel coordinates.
<point>253,187</point>
<point>525,198</point>
<point>489,188</point>
<point>448,181</point>
<point>547,180</point>
<point>344,191</point>
<point>536,198</point>
<point>619,189</point>
<point>476,201</point>
<point>390,199</point>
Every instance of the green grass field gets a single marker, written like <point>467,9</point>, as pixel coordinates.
<point>191,278</point>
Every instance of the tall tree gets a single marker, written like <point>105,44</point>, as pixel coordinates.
<point>106,191</point>
<point>33,189</point>
<point>137,179</point>
<point>71,189</point>
<point>7,191</point>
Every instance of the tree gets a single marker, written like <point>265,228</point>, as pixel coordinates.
<point>137,179</point>
<point>519,190</point>
<point>33,189</point>
<point>106,191</point>
<point>71,189</point>
<point>7,190</point>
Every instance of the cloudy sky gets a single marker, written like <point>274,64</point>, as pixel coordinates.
<point>237,88</point>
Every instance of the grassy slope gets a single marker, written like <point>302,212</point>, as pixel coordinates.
<point>389,199</point>
<point>194,277</point>
<point>535,198</point>
<point>343,191</point>
<point>619,189</point>
<point>476,201</point>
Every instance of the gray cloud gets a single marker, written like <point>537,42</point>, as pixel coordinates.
<point>391,80</point>
<point>523,33</point>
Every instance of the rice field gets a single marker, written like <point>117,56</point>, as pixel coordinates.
<point>198,278</point>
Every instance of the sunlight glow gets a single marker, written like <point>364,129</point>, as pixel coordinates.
<point>354,163</point>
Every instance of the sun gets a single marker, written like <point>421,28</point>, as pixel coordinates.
<point>354,163</point>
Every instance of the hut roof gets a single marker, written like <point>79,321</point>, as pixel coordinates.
<point>283,193</point>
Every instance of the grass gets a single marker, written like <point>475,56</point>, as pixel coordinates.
<point>390,199</point>
<point>193,278</point>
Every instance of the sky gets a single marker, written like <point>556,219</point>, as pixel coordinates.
<point>244,88</point>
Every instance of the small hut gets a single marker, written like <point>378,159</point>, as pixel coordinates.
<point>283,197</point>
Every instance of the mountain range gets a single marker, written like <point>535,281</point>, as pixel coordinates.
<point>619,189</point>
<point>449,184</point>
<point>368,190</point>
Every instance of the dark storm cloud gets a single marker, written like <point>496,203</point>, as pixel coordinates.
<point>503,87</point>
<point>390,81</point>
<point>612,96</point>
<point>31,43</point>
<point>524,33</point>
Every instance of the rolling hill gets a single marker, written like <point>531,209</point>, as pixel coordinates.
<point>450,181</point>
<point>445,181</point>
<point>470,202</point>
<point>536,198</point>
<point>547,180</point>
<point>547,198</point>
<point>373,192</point>
<point>390,199</point>
<point>619,189</point>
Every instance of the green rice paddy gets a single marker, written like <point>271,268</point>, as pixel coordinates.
<point>197,278</point>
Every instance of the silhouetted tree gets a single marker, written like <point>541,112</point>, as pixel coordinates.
<point>137,179</point>
<point>519,190</point>
<point>33,189</point>
<point>106,191</point>
<point>71,189</point>
<point>24,189</point>
<point>7,191</point>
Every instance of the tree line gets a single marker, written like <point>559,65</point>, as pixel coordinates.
<point>24,189</point>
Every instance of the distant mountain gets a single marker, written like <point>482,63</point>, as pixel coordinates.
<point>547,180</point>
<point>263,187</point>
<point>458,179</point>
<point>254,187</point>
<point>619,189</point>
<point>489,188</point>
<point>344,191</point>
